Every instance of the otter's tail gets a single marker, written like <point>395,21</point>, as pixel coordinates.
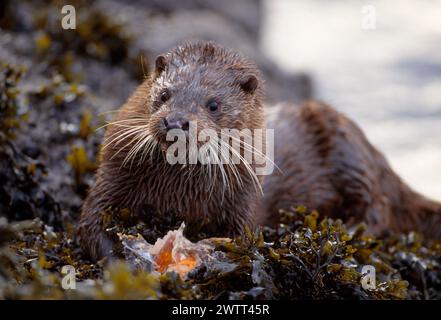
<point>421,214</point>
<point>430,218</point>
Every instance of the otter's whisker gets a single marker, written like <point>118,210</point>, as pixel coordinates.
<point>212,180</point>
<point>146,142</point>
<point>149,147</point>
<point>122,134</point>
<point>251,148</point>
<point>224,176</point>
<point>226,157</point>
<point>249,170</point>
<point>135,148</point>
<point>135,133</point>
<point>118,123</point>
<point>149,144</point>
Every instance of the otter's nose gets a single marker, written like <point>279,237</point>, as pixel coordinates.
<point>176,123</point>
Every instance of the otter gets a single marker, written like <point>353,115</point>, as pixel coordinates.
<point>323,159</point>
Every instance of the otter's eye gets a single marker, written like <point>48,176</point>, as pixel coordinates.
<point>165,95</point>
<point>212,105</point>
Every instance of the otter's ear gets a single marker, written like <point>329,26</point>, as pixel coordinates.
<point>160,65</point>
<point>249,84</point>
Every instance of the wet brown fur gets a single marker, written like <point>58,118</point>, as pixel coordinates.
<point>329,165</point>
<point>326,161</point>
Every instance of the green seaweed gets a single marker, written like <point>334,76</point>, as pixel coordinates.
<point>10,115</point>
<point>291,261</point>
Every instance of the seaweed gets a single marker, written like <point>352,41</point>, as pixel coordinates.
<point>314,260</point>
<point>21,197</point>
<point>302,258</point>
<point>11,111</point>
<point>96,36</point>
<point>80,164</point>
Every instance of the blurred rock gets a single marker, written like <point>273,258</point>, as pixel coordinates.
<point>246,13</point>
<point>154,33</point>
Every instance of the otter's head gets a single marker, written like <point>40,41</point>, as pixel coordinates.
<point>205,84</point>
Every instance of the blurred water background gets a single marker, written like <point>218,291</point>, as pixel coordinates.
<point>387,79</point>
